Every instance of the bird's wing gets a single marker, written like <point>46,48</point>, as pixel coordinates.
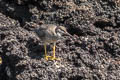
<point>45,30</point>
<point>40,32</point>
<point>46,26</point>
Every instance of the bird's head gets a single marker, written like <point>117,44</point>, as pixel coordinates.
<point>60,30</point>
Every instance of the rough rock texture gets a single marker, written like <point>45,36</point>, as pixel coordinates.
<point>93,53</point>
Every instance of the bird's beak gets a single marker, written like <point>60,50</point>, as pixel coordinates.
<point>67,34</point>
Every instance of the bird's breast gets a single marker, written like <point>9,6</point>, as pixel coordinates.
<point>51,38</point>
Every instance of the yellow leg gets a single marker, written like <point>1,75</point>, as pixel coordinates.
<point>54,51</point>
<point>54,58</point>
<point>46,57</point>
<point>0,60</point>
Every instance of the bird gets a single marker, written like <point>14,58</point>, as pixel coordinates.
<point>50,33</point>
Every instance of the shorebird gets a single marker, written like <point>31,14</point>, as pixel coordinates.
<point>50,33</point>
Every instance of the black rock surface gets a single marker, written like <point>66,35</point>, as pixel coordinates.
<point>92,53</point>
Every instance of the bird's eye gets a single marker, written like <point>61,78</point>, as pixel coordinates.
<point>61,31</point>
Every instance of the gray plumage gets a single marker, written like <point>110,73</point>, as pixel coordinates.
<point>50,33</point>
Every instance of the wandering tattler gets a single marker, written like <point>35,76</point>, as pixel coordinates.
<point>50,33</point>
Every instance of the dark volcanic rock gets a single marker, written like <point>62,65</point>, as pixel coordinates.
<point>92,53</point>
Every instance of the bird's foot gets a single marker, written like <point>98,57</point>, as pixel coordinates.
<point>47,57</point>
<point>54,58</point>
<point>51,58</point>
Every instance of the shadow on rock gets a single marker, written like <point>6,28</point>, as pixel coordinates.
<point>35,50</point>
<point>8,67</point>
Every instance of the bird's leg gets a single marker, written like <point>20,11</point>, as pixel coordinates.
<point>54,50</point>
<point>46,57</point>
<point>0,60</point>
<point>54,58</point>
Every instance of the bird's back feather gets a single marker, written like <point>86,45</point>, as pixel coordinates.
<point>46,31</point>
